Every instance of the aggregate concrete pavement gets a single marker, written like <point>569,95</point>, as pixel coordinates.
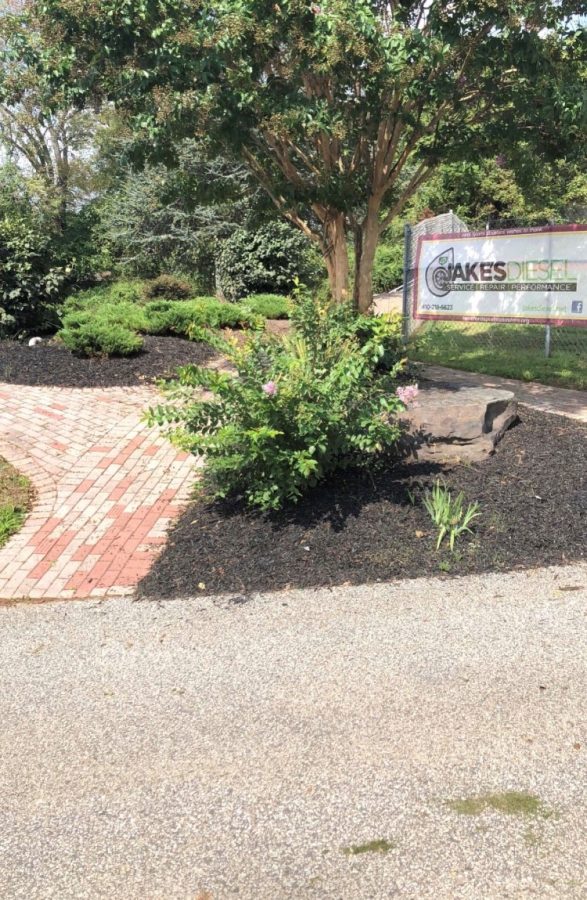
<point>238,747</point>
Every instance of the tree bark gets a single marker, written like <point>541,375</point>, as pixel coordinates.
<point>60,167</point>
<point>336,256</point>
<point>366,240</point>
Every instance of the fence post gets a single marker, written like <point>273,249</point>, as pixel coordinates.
<point>406,289</point>
<point>547,337</point>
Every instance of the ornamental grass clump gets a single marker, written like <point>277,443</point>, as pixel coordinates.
<point>450,515</point>
<point>294,410</point>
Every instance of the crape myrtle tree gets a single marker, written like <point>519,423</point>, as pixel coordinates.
<point>340,108</point>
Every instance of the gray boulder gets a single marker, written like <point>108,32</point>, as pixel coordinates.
<point>450,423</point>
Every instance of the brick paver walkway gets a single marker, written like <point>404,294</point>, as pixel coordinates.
<point>107,489</point>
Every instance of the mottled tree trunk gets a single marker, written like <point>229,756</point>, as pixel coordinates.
<point>366,240</point>
<point>336,256</point>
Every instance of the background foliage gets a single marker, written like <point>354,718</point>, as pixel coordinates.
<point>285,113</point>
<point>340,110</point>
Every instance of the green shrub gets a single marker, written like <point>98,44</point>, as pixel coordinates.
<point>30,284</point>
<point>34,269</point>
<point>129,315</point>
<point>169,317</point>
<point>267,260</point>
<point>297,409</point>
<point>270,306</point>
<point>179,317</point>
<point>386,332</point>
<point>168,287</point>
<point>95,337</point>
<point>109,294</point>
<point>103,320</point>
<point>388,267</point>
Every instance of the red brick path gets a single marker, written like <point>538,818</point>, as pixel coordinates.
<point>107,489</point>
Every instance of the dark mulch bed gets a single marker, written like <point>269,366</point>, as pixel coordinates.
<point>359,528</point>
<point>50,364</point>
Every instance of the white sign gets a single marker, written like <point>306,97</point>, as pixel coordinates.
<point>529,276</point>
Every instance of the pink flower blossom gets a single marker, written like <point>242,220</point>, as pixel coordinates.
<point>408,393</point>
<point>270,388</point>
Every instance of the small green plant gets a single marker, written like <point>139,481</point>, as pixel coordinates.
<point>296,410</point>
<point>381,845</point>
<point>449,514</point>
<point>15,500</point>
<point>11,518</point>
<point>168,287</point>
<point>512,803</point>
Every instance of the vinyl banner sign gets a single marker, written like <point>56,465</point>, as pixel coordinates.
<point>529,276</point>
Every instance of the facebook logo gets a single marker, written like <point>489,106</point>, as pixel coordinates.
<point>577,307</point>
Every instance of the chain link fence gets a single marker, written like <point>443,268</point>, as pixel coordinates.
<point>446,223</point>
<point>471,345</point>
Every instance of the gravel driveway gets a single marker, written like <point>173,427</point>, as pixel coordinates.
<point>359,743</point>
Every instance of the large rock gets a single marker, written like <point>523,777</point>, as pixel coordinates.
<point>450,422</point>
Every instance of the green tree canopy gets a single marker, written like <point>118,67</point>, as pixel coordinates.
<point>522,190</point>
<point>340,108</point>
<point>41,131</point>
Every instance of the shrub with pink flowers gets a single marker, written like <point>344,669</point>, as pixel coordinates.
<point>270,388</point>
<point>294,409</point>
<point>407,393</point>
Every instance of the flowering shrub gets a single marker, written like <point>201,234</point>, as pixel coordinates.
<point>295,410</point>
<point>270,388</point>
<point>408,393</point>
